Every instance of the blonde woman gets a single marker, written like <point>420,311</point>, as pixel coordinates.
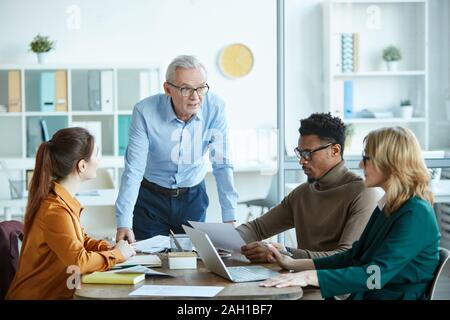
<point>397,254</point>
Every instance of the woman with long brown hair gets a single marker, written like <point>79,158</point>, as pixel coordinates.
<point>55,246</point>
<point>397,255</point>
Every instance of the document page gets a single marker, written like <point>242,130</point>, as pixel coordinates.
<point>177,291</point>
<point>152,245</point>
<point>223,235</point>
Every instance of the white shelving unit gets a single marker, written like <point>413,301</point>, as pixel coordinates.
<point>13,125</point>
<point>379,23</point>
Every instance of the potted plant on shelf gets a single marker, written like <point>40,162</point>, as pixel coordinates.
<point>41,45</point>
<point>392,55</point>
<point>406,109</point>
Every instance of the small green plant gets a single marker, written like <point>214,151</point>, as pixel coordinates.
<point>392,53</point>
<point>41,44</point>
<point>405,103</point>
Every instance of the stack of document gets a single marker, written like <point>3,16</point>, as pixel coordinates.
<point>152,245</point>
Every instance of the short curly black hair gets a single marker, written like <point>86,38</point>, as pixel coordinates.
<point>326,127</point>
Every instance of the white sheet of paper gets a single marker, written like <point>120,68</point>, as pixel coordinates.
<point>223,235</point>
<point>151,259</point>
<point>152,245</point>
<point>177,291</point>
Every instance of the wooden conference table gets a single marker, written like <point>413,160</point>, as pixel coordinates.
<point>200,277</point>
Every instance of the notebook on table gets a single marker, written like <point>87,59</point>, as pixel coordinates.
<point>113,278</point>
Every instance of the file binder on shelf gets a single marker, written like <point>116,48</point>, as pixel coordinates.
<point>14,91</point>
<point>106,85</point>
<point>94,100</point>
<point>348,99</point>
<point>61,90</point>
<point>124,125</point>
<point>47,91</point>
<point>44,128</point>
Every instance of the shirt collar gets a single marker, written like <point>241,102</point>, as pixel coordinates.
<point>382,203</point>
<point>170,113</point>
<point>67,198</point>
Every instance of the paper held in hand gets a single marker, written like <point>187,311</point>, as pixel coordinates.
<point>150,260</point>
<point>223,235</point>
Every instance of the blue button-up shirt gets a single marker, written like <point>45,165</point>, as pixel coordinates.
<point>171,153</point>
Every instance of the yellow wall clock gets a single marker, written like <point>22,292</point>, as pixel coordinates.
<point>236,60</point>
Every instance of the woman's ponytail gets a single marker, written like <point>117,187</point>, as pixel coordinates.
<point>40,183</point>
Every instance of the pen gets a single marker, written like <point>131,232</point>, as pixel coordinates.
<point>175,240</point>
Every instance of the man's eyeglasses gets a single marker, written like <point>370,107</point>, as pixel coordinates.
<point>188,92</point>
<point>307,154</point>
<point>365,159</point>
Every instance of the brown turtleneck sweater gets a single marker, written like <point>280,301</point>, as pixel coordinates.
<point>328,215</point>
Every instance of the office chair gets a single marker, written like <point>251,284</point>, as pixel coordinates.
<point>11,232</point>
<point>440,288</point>
<point>268,202</point>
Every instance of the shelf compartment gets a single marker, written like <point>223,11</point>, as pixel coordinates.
<point>11,147</point>
<point>36,134</point>
<point>135,85</point>
<point>386,97</point>
<point>93,90</point>
<point>46,90</point>
<point>399,23</point>
<point>106,127</point>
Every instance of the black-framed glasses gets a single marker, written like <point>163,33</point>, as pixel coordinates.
<point>188,92</point>
<point>365,159</point>
<point>307,154</point>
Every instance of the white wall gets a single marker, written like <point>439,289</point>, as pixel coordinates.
<point>304,64</point>
<point>155,31</point>
<point>148,31</point>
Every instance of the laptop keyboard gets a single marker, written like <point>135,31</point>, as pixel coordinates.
<point>250,274</point>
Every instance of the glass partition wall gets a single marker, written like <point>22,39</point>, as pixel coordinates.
<point>374,64</point>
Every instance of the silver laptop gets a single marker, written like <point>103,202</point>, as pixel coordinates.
<point>214,263</point>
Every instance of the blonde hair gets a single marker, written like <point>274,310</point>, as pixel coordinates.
<point>396,152</point>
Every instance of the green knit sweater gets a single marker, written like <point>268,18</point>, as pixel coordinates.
<point>403,249</point>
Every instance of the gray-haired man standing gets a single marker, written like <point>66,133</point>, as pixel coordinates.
<point>163,183</point>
